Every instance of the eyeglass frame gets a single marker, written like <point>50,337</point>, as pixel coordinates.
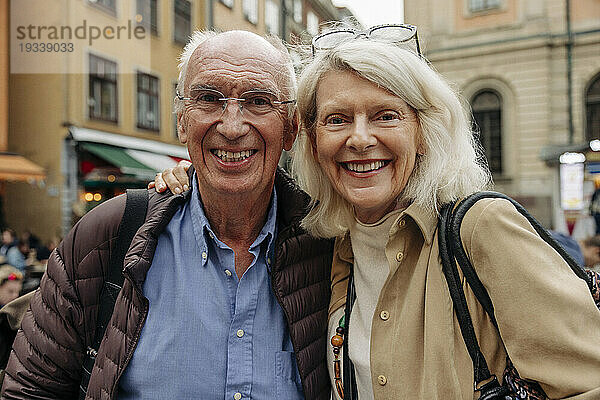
<point>367,34</point>
<point>240,100</point>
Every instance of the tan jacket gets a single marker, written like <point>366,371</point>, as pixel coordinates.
<point>548,321</point>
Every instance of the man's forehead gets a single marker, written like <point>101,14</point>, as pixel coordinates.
<point>237,56</point>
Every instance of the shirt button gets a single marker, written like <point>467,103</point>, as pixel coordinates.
<point>227,272</point>
<point>399,256</point>
<point>204,255</point>
<point>237,396</point>
<point>384,315</point>
<point>401,223</point>
<point>210,234</point>
<point>240,333</point>
<point>268,260</point>
<point>382,380</point>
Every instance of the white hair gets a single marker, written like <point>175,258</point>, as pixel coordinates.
<point>452,165</point>
<point>199,37</point>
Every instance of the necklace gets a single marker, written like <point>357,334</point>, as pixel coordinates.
<point>337,341</point>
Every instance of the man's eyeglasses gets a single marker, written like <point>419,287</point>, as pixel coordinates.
<point>389,33</point>
<point>210,101</point>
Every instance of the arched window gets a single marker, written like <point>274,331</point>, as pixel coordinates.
<point>592,110</point>
<point>487,114</point>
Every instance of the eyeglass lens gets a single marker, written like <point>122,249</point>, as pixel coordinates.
<point>211,101</point>
<point>388,34</point>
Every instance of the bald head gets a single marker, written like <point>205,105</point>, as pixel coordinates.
<point>237,48</point>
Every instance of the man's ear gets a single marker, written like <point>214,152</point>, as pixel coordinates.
<point>290,134</point>
<point>181,133</point>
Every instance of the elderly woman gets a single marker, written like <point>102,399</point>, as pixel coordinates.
<point>385,143</point>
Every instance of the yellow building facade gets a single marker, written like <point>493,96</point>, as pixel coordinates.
<point>530,70</point>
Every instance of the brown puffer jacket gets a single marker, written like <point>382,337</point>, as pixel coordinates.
<point>49,349</point>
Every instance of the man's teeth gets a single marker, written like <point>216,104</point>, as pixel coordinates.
<point>229,156</point>
<point>362,167</point>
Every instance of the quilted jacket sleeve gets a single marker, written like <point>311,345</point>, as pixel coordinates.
<point>48,350</point>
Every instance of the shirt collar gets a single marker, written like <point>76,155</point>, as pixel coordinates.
<point>204,232</point>
<point>425,219</point>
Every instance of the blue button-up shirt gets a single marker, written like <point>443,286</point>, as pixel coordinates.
<point>208,334</point>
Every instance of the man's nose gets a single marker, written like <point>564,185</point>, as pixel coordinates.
<point>361,138</point>
<point>232,123</point>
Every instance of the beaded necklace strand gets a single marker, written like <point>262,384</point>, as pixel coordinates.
<point>337,341</point>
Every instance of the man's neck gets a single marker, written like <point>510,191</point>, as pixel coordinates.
<point>237,221</point>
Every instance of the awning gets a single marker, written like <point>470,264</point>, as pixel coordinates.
<point>142,164</point>
<point>14,167</point>
<point>127,142</point>
<point>141,158</point>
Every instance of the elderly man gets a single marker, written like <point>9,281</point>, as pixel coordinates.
<point>225,296</point>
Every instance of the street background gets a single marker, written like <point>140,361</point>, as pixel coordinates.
<point>87,90</point>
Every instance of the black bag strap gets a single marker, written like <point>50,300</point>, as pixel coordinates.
<point>349,381</point>
<point>134,215</point>
<point>453,252</point>
<point>465,264</point>
<point>480,367</point>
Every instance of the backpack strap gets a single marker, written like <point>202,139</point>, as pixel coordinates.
<point>134,215</point>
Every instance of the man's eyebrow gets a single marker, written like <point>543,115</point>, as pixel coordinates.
<point>203,86</point>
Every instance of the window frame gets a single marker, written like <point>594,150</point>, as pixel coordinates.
<point>148,92</point>
<point>592,102</point>
<point>309,17</point>
<point>248,15</point>
<point>276,7</point>
<point>147,15</point>
<point>297,11</point>
<point>176,39</point>
<point>490,140</point>
<point>228,3</point>
<point>486,6</point>
<point>112,10</point>
<point>103,79</point>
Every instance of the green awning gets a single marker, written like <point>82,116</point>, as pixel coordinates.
<point>118,157</point>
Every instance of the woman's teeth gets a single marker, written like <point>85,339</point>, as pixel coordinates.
<point>365,167</point>
<point>229,156</point>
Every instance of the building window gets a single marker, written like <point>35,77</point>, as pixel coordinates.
<point>147,10</point>
<point>272,17</point>
<point>592,110</point>
<point>183,21</point>
<point>228,3</point>
<point>483,5</point>
<point>109,5</point>
<point>487,115</point>
<point>250,10</point>
<point>312,23</point>
<point>148,109</point>
<point>298,11</point>
<point>102,101</point>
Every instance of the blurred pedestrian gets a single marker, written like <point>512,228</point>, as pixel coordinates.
<point>17,255</point>
<point>11,282</point>
<point>590,248</point>
<point>9,239</point>
<point>570,245</point>
<point>595,209</point>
